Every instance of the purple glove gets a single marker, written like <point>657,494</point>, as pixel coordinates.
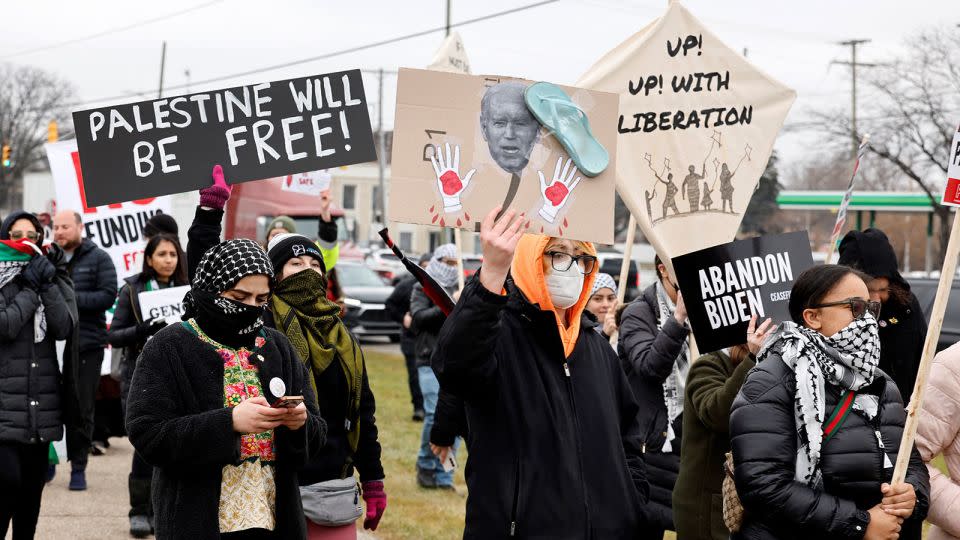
<point>376,500</point>
<point>216,196</point>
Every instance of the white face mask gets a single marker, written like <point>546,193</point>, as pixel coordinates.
<point>565,287</point>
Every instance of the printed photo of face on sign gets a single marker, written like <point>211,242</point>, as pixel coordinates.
<point>464,144</point>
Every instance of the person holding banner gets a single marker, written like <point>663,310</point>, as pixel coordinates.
<point>903,327</point>
<point>816,426</point>
<point>555,445</point>
<point>33,316</point>
<point>224,409</point>
<point>337,375</point>
<point>654,353</point>
<point>713,383</point>
<point>164,266</point>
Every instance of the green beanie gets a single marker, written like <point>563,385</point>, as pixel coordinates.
<point>282,222</point>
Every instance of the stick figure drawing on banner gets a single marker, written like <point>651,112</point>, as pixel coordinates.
<point>726,180</point>
<point>690,188</point>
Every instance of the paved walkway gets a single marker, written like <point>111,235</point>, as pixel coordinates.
<point>98,513</point>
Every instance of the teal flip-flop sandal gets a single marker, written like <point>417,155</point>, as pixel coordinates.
<point>554,109</point>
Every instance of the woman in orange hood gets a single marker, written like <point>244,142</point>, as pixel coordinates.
<point>555,447</point>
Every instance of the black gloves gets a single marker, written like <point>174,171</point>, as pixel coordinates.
<point>39,273</point>
<point>150,327</point>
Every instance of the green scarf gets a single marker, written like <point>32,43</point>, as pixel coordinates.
<point>311,322</point>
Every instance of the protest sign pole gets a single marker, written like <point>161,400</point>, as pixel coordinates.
<point>625,269</point>
<point>951,197</point>
<point>458,241</point>
<point>929,349</point>
<point>845,203</point>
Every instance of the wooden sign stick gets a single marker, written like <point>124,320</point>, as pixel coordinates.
<point>625,269</point>
<point>458,241</point>
<point>929,350</point>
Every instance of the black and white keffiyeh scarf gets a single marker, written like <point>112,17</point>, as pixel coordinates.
<point>847,359</point>
<point>221,267</point>
<point>676,382</point>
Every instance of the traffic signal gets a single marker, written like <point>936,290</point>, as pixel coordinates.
<point>6,156</point>
<point>52,133</point>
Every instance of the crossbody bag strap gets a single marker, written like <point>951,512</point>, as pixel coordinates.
<point>839,415</point>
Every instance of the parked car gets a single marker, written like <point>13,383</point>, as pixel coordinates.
<point>365,294</point>
<point>386,263</point>
<point>926,291</point>
<point>610,263</point>
<point>471,263</point>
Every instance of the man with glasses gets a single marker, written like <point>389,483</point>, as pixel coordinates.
<point>95,282</point>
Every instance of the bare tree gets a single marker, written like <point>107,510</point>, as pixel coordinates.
<point>30,99</point>
<point>911,111</point>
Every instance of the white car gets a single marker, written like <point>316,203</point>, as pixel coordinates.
<point>385,263</point>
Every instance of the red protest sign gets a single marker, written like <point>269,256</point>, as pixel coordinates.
<point>951,196</point>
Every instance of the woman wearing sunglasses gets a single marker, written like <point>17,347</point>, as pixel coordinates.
<point>816,427</point>
<point>553,433</point>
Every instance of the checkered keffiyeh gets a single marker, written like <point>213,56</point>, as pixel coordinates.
<point>604,281</point>
<point>847,359</point>
<point>225,264</point>
<point>228,262</point>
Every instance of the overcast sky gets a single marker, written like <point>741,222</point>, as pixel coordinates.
<point>793,41</point>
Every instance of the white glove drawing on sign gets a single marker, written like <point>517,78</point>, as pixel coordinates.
<point>558,192</point>
<point>448,178</point>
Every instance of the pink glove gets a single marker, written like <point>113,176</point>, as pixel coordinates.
<point>216,196</point>
<point>376,500</point>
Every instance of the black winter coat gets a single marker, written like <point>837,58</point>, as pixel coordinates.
<point>554,442</point>
<point>176,420</point>
<point>903,331</point>
<point>427,321</point>
<point>398,305</point>
<point>648,356</point>
<point>204,233</point>
<point>764,443</point>
<point>30,382</point>
<point>123,327</point>
<point>95,283</point>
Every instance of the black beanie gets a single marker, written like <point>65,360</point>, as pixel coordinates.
<point>286,246</point>
<point>17,215</point>
<point>161,224</point>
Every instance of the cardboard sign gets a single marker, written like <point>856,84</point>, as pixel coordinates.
<point>163,304</point>
<point>309,183</point>
<point>951,196</point>
<point>696,127</point>
<point>723,286</point>
<point>498,154</point>
<point>116,228</point>
<point>170,145</point>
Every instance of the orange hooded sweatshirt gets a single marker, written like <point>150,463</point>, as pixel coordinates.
<point>528,274</point>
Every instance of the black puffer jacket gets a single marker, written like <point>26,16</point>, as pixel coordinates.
<point>398,305</point>
<point>551,455</point>
<point>764,444</point>
<point>95,282</point>
<point>30,383</point>
<point>648,356</point>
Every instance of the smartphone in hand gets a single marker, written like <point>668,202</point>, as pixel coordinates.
<point>288,402</point>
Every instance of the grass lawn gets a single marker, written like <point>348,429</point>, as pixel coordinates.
<point>412,512</point>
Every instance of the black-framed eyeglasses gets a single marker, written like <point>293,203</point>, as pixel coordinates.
<point>30,235</point>
<point>561,262</point>
<point>858,306</point>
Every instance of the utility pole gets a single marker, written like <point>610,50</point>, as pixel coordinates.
<point>448,18</point>
<point>853,63</point>
<point>163,62</point>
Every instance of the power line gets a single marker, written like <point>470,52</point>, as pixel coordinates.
<point>334,53</point>
<point>111,31</point>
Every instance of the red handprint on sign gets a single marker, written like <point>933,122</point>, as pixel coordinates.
<point>449,181</point>
<point>557,193</point>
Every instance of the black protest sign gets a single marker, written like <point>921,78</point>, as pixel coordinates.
<point>170,145</point>
<point>723,286</point>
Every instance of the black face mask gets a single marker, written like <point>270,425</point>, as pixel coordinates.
<point>226,321</point>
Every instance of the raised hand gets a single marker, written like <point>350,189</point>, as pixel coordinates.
<point>217,195</point>
<point>556,195</point>
<point>756,336</point>
<point>499,240</point>
<point>449,181</point>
